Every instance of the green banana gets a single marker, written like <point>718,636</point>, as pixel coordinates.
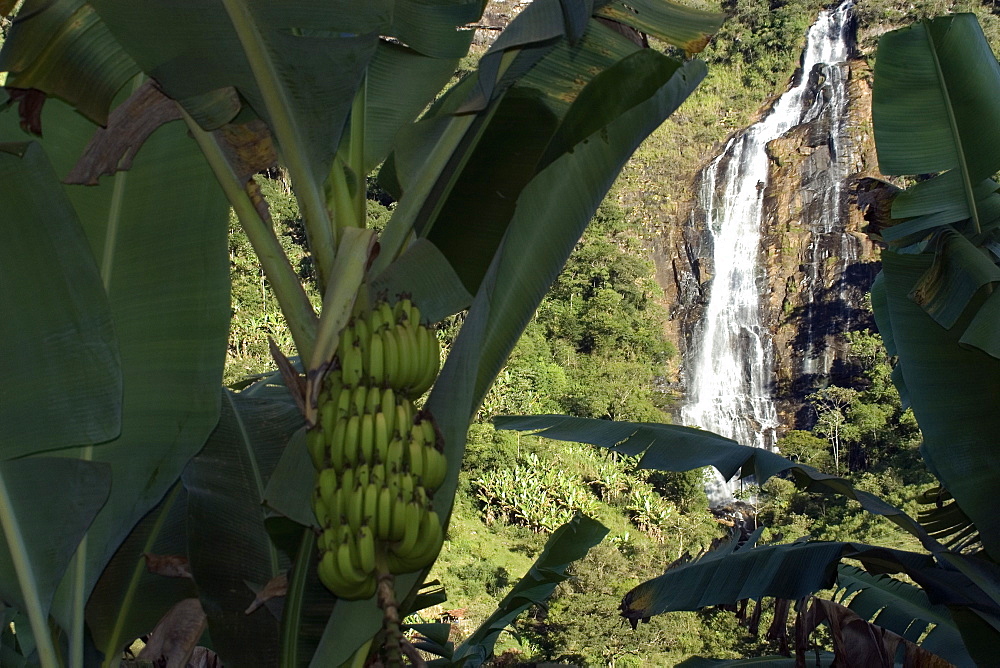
<point>346,556</point>
<point>366,549</point>
<point>355,508</point>
<point>375,360</point>
<point>411,530</point>
<point>389,409</point>
<point>386,313</point>
<point>383,516</point>
<point>390,348</point>
<point>394,456</point>
<point>327,485</point>
<point>366,449</point>
<point>431,539</point>
<point>435,468</point>
<point>347,481</point>
<point>397,519</point>
<point>316,444</point>
<point>381,436</point>
<point>415,459</point>
<point>352,437</point>
<point>370,510</point>
<point>359,399</point>
<point>362,333</point>
<point>335,451</point>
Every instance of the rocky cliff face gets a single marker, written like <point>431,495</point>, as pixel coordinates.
<point>818,267</point>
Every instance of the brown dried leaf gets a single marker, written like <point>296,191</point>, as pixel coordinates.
<point>29,108</point>
<point>275,587</point>
<point>248,148</point>
<point>857,642</point>
<point>173,641</point>
<point>294,381</point>
<point>203,657</point>
<point>113,148</point>
<point>169,565</point>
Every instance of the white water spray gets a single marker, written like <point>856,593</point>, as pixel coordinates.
<point>731,369</point>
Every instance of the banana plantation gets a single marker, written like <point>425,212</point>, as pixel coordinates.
<point>313,359</point>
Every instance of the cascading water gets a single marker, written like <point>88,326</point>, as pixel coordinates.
<point>730,374</point>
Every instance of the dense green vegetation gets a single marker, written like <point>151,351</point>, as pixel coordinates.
<point>596,349</point>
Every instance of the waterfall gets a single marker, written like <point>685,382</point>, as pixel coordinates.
<point>730,369</point>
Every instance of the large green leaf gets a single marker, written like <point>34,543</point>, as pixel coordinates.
<point>952,390</point>
<point>158,235</point>
<point>46,506</point>
<point>817,659</point>
<point>524,88</point>
<point>737,571</point>
<point>936,99</point>
<point>64,377</point>
<point>904,609</point>
<point>668,447</point>
<point>567,544</point>
<point>63,48</point>
<point>554,209</point>
<point>231,553</point>
<point>128,600</point>
<point>297,65</point>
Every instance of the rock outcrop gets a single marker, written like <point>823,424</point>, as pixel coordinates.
<point>818,266</point>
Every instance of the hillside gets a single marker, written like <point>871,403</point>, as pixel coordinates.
<point>603,345</point>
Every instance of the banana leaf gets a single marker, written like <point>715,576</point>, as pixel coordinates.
<point>231,553</point>
<point>62,362</point>
<point>128,600</point>
<point>737,570</point>
<point>669,447</point>
<point>814,659</point>
<point>158,239</point>
<point>952,389</point>
<point>567,544</point>
<point>41,531</point>
<point>936,96</point>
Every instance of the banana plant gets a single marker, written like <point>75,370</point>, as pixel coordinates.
<point>155,118</point>
<point>936,101</point>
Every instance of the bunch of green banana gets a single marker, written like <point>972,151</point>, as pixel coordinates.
<point>379,460</point>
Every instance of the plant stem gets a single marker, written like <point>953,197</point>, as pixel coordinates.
<point>347,277</point>
<point>26,579</point>
<point>390,623</point>
<point>356,156</point>
<point>291,144</point>
<point>117,638</point>
<point>292,615</point>
<point>292,299</point>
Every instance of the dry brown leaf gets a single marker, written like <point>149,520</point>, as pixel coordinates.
<point>29,107</point>
<point>857,642</point>
<point>168,565</point>
<point>113,148</point>
<point>173,641</point>
<point>276,587</point>
<point>248,147</point>
<point>203,657</point>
